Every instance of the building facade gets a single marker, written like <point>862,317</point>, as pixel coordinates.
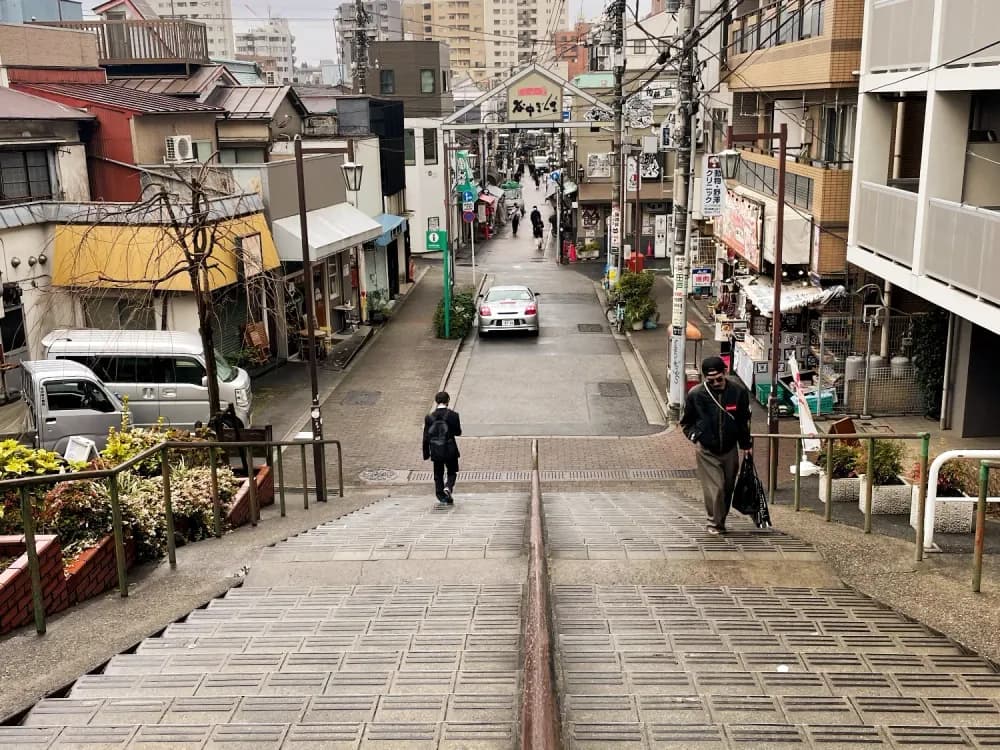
<point>217,15</point>
<point>460,24</point>
<point>271,42</point>
<point>23,11</point>
<point>926,189</point>
<point>571,48</point>
<point>416,73</point>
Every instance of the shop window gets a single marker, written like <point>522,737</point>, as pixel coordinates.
<point>409,148</point>
<point>430,146</point>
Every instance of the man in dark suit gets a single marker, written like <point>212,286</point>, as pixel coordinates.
<point>441,427</point>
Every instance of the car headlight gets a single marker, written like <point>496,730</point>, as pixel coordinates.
<point>243,397</point>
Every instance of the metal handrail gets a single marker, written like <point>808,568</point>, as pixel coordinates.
<point>923,437</point>
<point>977,551</point>
<point>245,447</point>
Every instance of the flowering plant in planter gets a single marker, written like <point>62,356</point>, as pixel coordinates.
<point>949,480</point>
<point>79,513</point>
<point>888,463</point>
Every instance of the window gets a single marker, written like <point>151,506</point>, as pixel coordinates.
<point>24,175</point>
<point>812,19</point>
<point>409,148</point>
<point>430,146</point>
<point>387,82</point>
<point>12,322</point>
<point>185,370</point>
<point>76,395</point>
<point>444,81</point>
<point>639,47</point>
<point>426,81</point>
<point>203,150</point>
<point>241,156</point>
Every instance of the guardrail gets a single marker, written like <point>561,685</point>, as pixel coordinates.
<point>244,448</point>
<point>977,551</point>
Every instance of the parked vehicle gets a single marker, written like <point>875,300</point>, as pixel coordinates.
<point>540,163</point>
<point>64,398</point>
<point>508,308</point>
<point>161,373</point>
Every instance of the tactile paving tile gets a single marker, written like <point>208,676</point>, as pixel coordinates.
<point>621,526</point>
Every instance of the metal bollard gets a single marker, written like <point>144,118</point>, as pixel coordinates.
<point>798,474</point>
<point>34,569</point>
<point>119,532</point>
<point>772,469</point>
<point>305,479</point>
<point>251,486</point>
<point>868,487</point>
<point>213,460</point>
<point>977,555</point>
<point>925,450</point>
<point>828,511</point>
<point>168,509</point>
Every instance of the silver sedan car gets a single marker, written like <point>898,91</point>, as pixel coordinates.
<point>508,308</point>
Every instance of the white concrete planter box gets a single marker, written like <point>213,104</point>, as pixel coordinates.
<point>887,500</point>
<point>843,490</point>
<point>952,515</point>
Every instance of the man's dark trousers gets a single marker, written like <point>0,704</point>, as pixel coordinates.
<point>451,464</point>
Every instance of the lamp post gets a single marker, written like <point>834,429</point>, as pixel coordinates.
<point>315,411</point>
<point>352,172</point>
<point>730,164</point>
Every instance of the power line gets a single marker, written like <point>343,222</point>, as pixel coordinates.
<point>953,60</point>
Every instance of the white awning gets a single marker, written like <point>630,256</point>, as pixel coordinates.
<point>331,229</point>
<point>794,295</point>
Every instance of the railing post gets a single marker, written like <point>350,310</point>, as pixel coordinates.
<point>772,470</point>
<point>34,569</point>
<point>869,486</point>
<point>168,509</point>
<point>340,469</point>
<point>925,450</point>
<point>977,555</point>
<point>213,460</point>
<point>305,479</point>
<point>252,487</point>
<point>119,532</point>
<point>797,498</point>
<point>279,465</point>
<point>828,510</point>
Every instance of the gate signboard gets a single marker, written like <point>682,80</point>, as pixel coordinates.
<point>534,98</point>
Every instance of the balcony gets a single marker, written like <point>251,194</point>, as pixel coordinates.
<point>164,41</point>
<point>903,33</point>
<point>886,221</point>
<point>969,25</point>
<point>961,248</point>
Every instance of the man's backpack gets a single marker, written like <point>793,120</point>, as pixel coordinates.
<point>438,436</point>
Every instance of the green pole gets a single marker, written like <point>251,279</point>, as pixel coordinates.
<point>869,486</point>
<point>798,474</point>
<point>977,558</point>
<point>447,290</point>
<point>34,566</point>
<point>925,450</point>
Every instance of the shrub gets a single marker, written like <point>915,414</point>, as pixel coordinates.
<point>639,309</point>
<point>18,460</point>
<point>635,285</point>
<point>463,314</point>
<point>79,512</point>
<point>844,461</point>
<point>950,480</point>
<point>128,442</point>
<point>888,462</point>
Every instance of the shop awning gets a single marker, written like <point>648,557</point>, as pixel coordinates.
<point>331,230</point>
<point>794,295</point>
<point>488,199</point>
<point>495,191</point>
<point>391,224</point>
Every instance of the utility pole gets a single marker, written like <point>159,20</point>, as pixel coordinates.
<point>682,192</point>
<point>618,165</point>
<point>360,44</point>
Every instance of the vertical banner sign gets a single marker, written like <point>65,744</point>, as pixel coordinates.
<point>464,166</point>
<point>680,295</point>
<point>631,174</point>
<point>660,236</point>
<point>714,187</point>
<point>616,225</point>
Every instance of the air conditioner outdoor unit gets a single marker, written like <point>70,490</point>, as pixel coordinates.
<point>178,149</point>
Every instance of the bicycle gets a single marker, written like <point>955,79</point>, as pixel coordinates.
<point>616,315</point>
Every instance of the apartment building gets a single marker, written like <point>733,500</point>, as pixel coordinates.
<point>217,15</point>
<point>416,73</point>
<point>385,23</point>
<point>571,48</point>
<point>460,24</point>
<point>926,192</point>
<point>272,44</point>
<point>537,23</point>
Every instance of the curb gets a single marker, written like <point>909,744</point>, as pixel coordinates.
<point>458,347</point>
<point>661,404</point>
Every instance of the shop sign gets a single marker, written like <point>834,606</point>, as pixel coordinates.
<point>615,228</point>
<point>437,239</point>
<point>433,222</point>
<point>660,236</point>
<point>482,213</point>
<point>631,174</point>
<point>599,165</point>
<point>701,277</point>
<point>713,187</point>
<point>741,224</point>
<point>534,98</point>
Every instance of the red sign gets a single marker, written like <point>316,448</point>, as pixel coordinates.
<point>532,91</point>
<point>742,226</point>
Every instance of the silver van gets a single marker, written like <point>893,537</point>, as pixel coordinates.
<point>162,373</point>
<point>64,399</point>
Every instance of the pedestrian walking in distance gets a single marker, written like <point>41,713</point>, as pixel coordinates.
<point>514,221</point>
<point>441,427</point>
<point>717,420</point>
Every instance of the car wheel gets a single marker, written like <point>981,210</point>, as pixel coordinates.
<point>534,333</point>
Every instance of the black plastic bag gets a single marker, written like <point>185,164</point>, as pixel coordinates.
<point>745,490</point>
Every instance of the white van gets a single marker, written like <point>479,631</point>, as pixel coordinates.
<point>161,373</point>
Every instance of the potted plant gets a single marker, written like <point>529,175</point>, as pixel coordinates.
<point>950,517</point>
<point>637,310</point>
<point>890,491</point>
<point>843,466</point>
<point>375,301</point>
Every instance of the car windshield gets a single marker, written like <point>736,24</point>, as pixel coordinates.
<point>497,295</point>
<point>227,373</point>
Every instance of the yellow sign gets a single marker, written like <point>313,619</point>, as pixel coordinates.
<point>534,98</point>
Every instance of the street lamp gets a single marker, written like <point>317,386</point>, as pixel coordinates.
<point>730,164</point>
<point>352,176</point>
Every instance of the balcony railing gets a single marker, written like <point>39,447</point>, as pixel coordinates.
<point>900,36</point>
<point>169,40</point>
<point>887,218</point>
<point>777,23</point>
<point>966,26</point>
<point>961,247</point>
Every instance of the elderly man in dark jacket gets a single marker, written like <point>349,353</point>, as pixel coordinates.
<point>717,420</point>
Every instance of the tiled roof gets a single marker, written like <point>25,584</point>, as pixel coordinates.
<point>198,85</point>
<point>117,97</point>
<point>16,105</point>
<point>252,102</point>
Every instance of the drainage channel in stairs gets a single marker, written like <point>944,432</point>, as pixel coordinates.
<point>582,475</point>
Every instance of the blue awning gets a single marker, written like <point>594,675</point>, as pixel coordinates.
<point>391,225</point>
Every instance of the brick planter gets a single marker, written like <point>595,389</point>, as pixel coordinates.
<point>951,515</point>
<point>843,490</point>
<point>95,571</point>
<point>887,500</point>
<point>239,511</point>
<point>16,608</point>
